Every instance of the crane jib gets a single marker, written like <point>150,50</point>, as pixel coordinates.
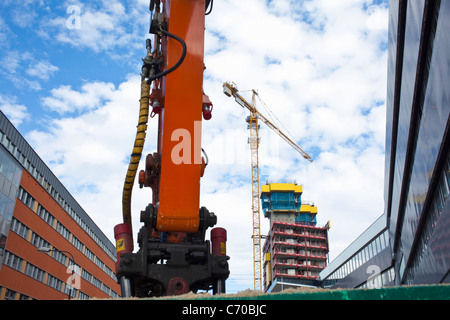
<point>231,90</point>
<point>240,101</point>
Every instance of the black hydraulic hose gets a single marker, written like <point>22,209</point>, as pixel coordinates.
<point>206,156</point>
<point>210,7</point>
<point>176,65</point>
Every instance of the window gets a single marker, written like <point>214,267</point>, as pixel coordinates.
<point>17,154</point>
<point>99,263</point>
<point>77,243</point>
<point>97,283</point>
<point>21,158</point>
<point>37,241</point>
<point>20,192</point>
<point>55,283</point>
<point>24,297</point>
<point>11,147</point>
<point>45,215</point>
<point>369,251</point>
<point>59,256</point>
<point>19,228</point>
<point>106,289</point>
<point>34,272</point>
<point>383,241</point>
<point>82,295</point>
<point>359,259</point>
<point>70,290</point>
<point>10,294</point>
<point>363,256</point>
<point>440,199</point>
<point>13,261</point>
<point>63,230</point>
<point>5,141</point>
<point>35,172</point>
<point>88,253</point>
<point>86,276</point>
<point>27,199</point>
<point>377,245</point>
<point>11,171</point>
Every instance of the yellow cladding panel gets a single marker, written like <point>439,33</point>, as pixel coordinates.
<point>281,187</point>
<point>308,209</point>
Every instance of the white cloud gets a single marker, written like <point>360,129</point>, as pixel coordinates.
<point>16,113</point>
<point>14,65</point>
<point>101,26</point>
<point>24,17</point>
<point>41,69</point>
<point>65,99</point>
<point>11,61</point>
<point>4,30</point>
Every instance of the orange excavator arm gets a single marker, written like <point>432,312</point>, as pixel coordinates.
<point>180,138</point>
<point>174,256</point>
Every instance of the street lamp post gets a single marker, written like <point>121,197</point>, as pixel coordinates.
<point>47,249</point>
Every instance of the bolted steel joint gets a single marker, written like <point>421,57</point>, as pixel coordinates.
<point>207,219</point>
<point>148,216</point>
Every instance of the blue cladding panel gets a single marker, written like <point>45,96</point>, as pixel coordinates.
<point>278,201</point>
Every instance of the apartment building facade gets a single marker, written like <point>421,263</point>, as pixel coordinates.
<point>75,259</point>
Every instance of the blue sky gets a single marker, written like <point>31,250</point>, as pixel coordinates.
<point>73,90</point>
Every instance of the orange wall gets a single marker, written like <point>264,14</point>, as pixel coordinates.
<point>22,283</point>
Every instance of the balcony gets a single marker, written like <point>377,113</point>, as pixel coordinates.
<point>300,254</point>
<point>302,264</point>
<point>298,244</point>
<point>296,274</point>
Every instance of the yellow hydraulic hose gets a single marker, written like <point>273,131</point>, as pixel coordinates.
<point>137,152</point>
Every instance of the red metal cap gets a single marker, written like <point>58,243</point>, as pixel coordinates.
<point>122,228</point>
<point>218,241</point>
<point>219,233</point>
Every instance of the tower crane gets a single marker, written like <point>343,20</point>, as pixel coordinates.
<point>231,90</point>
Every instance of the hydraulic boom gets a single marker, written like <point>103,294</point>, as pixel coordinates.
<point>173,256</point>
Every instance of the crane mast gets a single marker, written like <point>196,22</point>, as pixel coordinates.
<point>254,146</point>
<point>231,90</point>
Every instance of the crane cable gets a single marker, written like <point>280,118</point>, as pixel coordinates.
<point>273,116</point>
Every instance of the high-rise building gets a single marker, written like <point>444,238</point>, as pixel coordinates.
<point>76,259</point>
<point>295,249</point>
<point>418,139</point>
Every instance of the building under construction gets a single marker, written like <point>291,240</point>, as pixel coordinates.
<point>295,249</point>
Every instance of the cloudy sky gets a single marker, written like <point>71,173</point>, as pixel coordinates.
<point>69,81</point>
